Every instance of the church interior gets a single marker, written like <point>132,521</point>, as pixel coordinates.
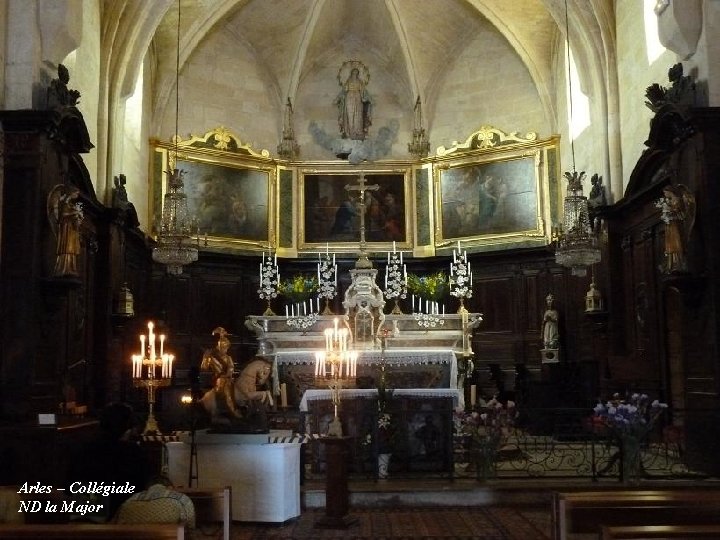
<point>376,249</point>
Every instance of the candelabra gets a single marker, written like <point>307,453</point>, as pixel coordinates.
<point>460,277</point>
<point>148,377</point>
<point>427,316</point>
<point>305,316</point>
<point>327,279</point>
<point>336,363</point>
<point>269,281</point>
<point>395,279</point>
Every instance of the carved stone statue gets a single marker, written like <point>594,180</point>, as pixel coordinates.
<point>353,102</point>
<point>65,216</point>
<point>550,332</point>
<point>236,404</point>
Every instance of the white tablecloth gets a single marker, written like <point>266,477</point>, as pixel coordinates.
<point>314,395</point>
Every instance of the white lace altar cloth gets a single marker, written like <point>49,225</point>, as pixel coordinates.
<point>348,393</point>
<point>393,357</point>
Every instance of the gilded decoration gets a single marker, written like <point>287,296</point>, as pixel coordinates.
<point>230,189</point>
<point>486,137</point>
<point>224,140</point>
<point>495,191</point>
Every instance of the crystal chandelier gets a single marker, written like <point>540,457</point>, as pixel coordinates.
<point>576,242</point>
<point>174,248</point>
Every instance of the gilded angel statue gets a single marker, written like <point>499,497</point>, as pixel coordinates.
<point>65,215</point>
<point>677,207</point>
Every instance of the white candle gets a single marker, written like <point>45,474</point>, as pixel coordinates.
<point>327,249</point>
<point>393,246</point>
<point>283,395</point>
<point>473,394</point>
<point>151,340</point>
<point>286,311</point>
<point>170,365</point>
<point>162,341</point>
<point>142,346</point>
<point>401,257</point>
<point>261,276</point>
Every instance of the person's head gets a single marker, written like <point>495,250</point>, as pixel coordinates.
<point>117,421</point>
<point>549,299</point>
<point>354,73</point>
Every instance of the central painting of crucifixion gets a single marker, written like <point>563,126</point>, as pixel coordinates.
<point>332,209</point>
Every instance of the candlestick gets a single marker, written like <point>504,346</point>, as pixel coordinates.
<point>283,395</point>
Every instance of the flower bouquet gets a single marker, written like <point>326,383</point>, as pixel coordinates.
<point>298,289</point>
<point>433,287</point>
<point>629,421</point>
<point>487,428</point>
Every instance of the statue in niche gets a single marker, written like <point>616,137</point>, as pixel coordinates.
<point>677,207</point>
<point>65,215</point>
<point>236,404</point>
<point>353,102</point>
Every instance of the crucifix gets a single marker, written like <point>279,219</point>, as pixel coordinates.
<point>362,187</point>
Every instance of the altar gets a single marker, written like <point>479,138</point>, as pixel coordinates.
<point>413,356</point>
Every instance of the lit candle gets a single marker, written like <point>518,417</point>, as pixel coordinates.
<point>162,340</point>
<point>317,364</point>
<point>170,365</point>
<point>151,340</point>
<point>142,346</point>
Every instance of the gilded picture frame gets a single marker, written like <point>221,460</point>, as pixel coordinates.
<point>230,189</point>
<point>496,197</point>
<point>329,214</point>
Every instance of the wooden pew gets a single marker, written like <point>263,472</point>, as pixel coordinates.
<point>585,512</point>
<point>87,531</point>
<point>660,532</point>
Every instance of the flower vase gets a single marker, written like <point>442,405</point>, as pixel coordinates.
<point>327,310</point>
<point>631,466</point>
<point>383,465</point>
<point>396,309</point>
<point>268,312</point>
<point>484,457</point>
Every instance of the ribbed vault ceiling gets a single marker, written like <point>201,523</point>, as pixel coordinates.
<point>411,39</point>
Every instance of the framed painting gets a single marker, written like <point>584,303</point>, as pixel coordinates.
<point>498,200</point>
<point>330,210</point>
<point>229,195</point>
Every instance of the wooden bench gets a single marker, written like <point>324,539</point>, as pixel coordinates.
<point>585,512</point>
<point>87,531</point>
<point>660,532</point>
